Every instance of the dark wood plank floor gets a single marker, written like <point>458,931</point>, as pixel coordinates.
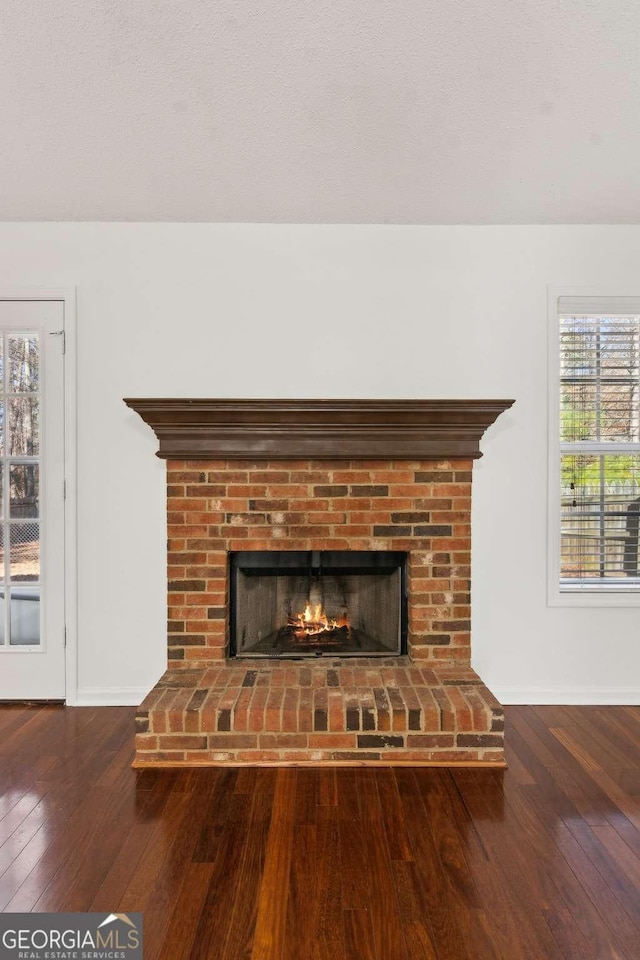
<point>539,862</point>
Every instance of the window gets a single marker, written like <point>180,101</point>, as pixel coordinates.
<point>599,430</point>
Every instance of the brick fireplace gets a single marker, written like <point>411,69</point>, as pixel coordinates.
<point>319,477</point>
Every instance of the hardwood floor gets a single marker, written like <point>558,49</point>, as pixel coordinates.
<point>541,861</point>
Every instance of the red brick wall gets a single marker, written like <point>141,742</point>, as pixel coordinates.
<point>423,507</point>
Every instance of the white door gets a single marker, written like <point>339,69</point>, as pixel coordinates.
<point>32,646</point>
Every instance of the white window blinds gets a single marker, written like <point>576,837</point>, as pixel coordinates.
<point>600,443</point>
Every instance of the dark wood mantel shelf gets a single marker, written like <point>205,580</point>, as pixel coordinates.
<point>326,429</point>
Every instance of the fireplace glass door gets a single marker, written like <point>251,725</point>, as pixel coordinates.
<point>292,604</point>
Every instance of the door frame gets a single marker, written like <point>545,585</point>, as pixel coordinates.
<point>67,296</point>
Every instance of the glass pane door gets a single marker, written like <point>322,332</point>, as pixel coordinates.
<point>20,404</point>
<point>32,500</point>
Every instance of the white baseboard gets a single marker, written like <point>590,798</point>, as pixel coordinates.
<point>568,696</point>
<point>109,697</point>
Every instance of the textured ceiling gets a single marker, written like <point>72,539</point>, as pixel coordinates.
<point>343,111</point>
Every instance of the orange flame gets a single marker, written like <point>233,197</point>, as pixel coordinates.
<point>313,620</point>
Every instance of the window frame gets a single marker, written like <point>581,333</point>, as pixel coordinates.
<point>557,597</point>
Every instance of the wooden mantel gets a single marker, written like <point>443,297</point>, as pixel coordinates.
<point>328,429</point>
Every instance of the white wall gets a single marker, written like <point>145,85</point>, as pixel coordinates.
<point>316,311</point>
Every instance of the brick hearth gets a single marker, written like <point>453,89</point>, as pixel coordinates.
<point>426,707</point>
<point>345,711</point>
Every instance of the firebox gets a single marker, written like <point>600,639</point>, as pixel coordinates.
<point>294,604</point>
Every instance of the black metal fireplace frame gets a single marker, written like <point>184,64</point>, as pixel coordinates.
<point>328,562</point>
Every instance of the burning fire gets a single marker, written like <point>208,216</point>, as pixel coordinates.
<point>313,620</point>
